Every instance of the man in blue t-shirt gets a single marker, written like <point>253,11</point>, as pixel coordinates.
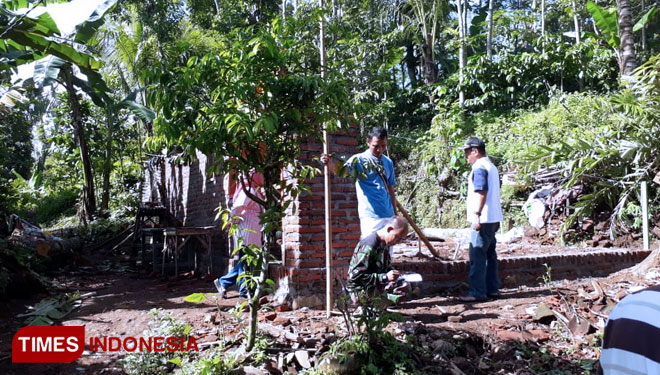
<point>375,197</point>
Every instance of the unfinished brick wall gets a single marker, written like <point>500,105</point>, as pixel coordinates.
<point>527,270</point>
<point>302,274</point>
<point>192,196</point>
<point>185,189</point>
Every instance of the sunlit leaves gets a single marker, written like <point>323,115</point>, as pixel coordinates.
<point>86,30</point>
<point>611,158</point>
<point>195,298</point>
<point>645,19</point>
<point>607,22</point>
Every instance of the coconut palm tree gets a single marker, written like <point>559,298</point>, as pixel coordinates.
<point>627,56</point>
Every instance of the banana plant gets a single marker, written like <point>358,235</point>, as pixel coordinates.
<point>607,22</point>
<point>39,39</point>
<point>25,39</point>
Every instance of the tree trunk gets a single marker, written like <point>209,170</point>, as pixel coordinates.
<point>461,8</point>
<point>543,25</point>
<point>542,17</point>
<point>403,74</point>
<point>640,270</point>
<point>576,22</point>
<point>45,150</point>
<point>651,261</point>
<point>643,27</point>
<point>430,68</point>
<point>107,163</point>
<point>627,56</point>
<point>489,41</point>
<point>89,197</point>
<point>410,64</point>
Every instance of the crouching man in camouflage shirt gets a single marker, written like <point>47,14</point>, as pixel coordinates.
<point>370,271</point>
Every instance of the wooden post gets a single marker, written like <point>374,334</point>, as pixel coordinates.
<point>645,217</point>
<point>326,184</point>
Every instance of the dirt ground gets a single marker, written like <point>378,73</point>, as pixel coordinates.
<point>121,301</point>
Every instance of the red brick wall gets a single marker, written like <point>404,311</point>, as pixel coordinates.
<point>192,195</point>
<point>527,270</point>
<point>303,232</point>
<point>186,189</point>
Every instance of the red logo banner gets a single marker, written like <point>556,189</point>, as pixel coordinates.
<point>48,344</point>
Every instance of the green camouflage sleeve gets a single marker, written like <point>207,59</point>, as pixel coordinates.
<point>359,276</point>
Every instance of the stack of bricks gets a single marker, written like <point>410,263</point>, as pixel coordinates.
<point>302,274</point>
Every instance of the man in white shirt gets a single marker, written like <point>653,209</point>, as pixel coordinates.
<point>632,333</point>
<point>484,213</point>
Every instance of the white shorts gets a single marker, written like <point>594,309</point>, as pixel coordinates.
<point>369,225</point>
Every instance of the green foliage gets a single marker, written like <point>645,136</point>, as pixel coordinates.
<point>55,205</point>
<point>33,38</point>
<point>33,204</point>
<point>453,214</point>
<point>616,155</point>
<point>49,309</point>
<point>369,348</point>
<point>161,17</point>
<point>156,363</point>
<point>15,152</point>
<point>26,258</point>
<point>211,362</point>
<point>645,19</point>
<point>540,360</point>
<point>509,145</point>
<point>513,215</point>
<point>195,297</point>
<point>524,79</point>
<point>607,22</point>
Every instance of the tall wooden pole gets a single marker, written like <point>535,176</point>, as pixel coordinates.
<point>326,183</point>
<point>645,217</point>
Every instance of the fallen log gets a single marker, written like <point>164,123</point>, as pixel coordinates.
<point>33,238</point>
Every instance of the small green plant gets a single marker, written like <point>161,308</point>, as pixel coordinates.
<point>48,309</point>
<point>156,363</point>
<point>547,277</point>
<point>259,355</point>
<point>368,348</point>
<point>212,362</point>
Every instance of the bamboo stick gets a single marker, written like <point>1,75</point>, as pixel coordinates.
<point>419,232</point>
<point>326,184</point>
<point>645,217</point>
